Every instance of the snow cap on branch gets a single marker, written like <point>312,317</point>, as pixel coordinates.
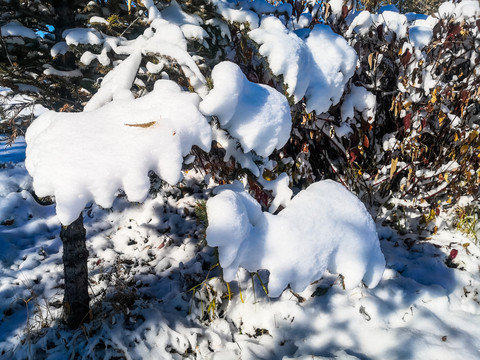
<point>257,115</point>
<point>317,68</point>
<point>82,157</point>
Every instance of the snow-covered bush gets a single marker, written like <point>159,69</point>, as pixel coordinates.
<point>278,97</point>
<point>323,228</point>
<point>406,126</point>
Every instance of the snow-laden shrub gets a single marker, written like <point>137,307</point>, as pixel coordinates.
<point>324,227</point>
<point>406,126</point>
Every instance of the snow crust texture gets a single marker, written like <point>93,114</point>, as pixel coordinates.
<point>324,227</point>
<point>80,157</point>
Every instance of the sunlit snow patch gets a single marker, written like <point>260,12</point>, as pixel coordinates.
<point>80,157</point>
<point>324,227</point>
<point>255,114</point>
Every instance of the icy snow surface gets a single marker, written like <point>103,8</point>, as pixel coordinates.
<point>324,227</point>
<point>80,157</point>
<point>257,115</point>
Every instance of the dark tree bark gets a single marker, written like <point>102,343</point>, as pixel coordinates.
<point>75,255</point>
<point>65,16</point>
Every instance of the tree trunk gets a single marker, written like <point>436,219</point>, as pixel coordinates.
<point>65,17</point>
<point>75,256</point>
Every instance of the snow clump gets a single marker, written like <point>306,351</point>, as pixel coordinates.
<point>317,68</point>
<point>80,157</point>
<point>257,115</point>
<point>324,227</point>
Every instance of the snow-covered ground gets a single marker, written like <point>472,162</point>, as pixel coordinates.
<point>157,294</point>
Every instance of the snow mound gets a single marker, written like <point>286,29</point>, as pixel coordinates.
<point>80,157</point>
<point>324,227</point>
<point>257,115</point>
<point>464,10</point>
<point>317,68</point>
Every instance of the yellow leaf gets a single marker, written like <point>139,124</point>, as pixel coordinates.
<point>455,137</point>
<point>441,117</point>
<point>463,149</point>
<point>393,167</point>
<point>393,105</point>
<point>473,135</point>
<point>370,60</point>
<point>446,177</point>
<point>433,100</point>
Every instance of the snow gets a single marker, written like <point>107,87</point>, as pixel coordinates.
<point>59,48</point>
<point>323,228</point>
<point>334,65</point>
<point>257,115</point>
<point>466,9</point>
<point>359,99</point>
<point>420,309</point>
<point>418,27</point>
<point>16,29</point>
<point>190,24</point>
<point>281,191</point>
<point>287,54</point>
<point>153,12</point>
<point>50,70</point>
<point>157,290</point>
<point>117,83</point>
<point>235,12</point>
<point>390,7</point>
<point>317,68</point>
<point>166,39</point>
<point>14,152</point>
<point>420,36</point>
<point>99,20</point>
<point>114,147</point>
<point>79,36</point>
